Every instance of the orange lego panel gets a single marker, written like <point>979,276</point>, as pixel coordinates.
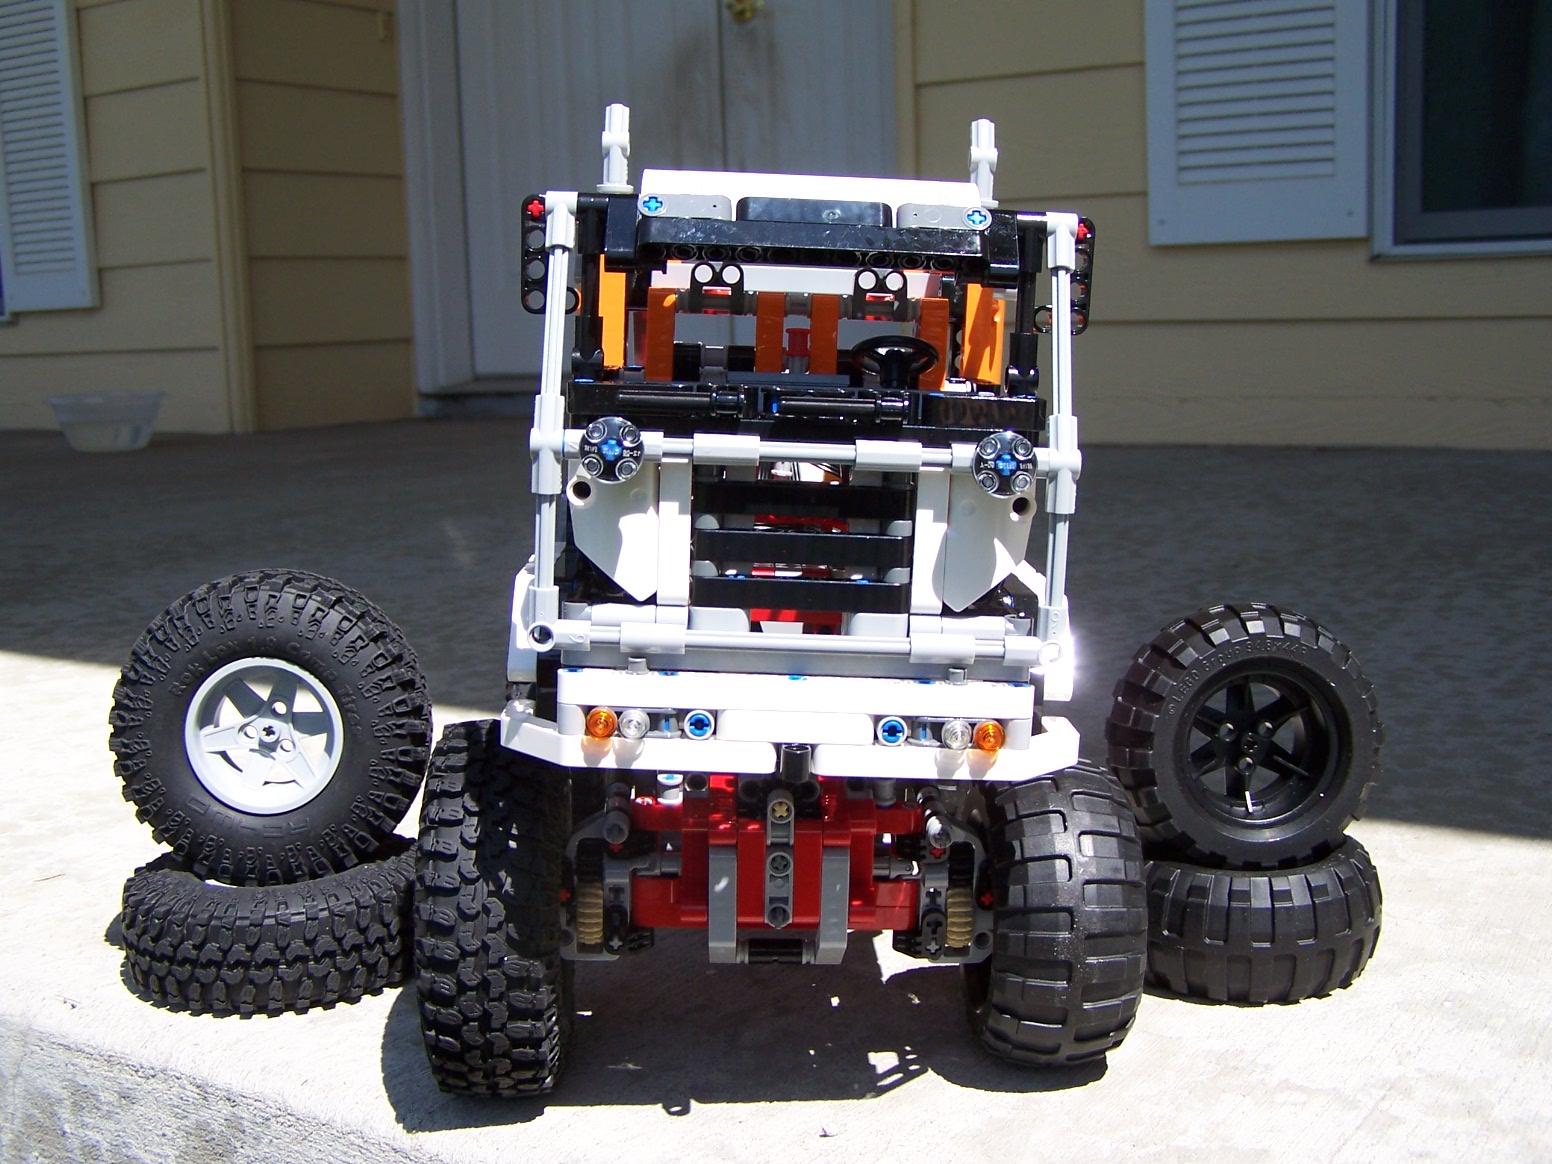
<point>611,309</point>
<point>981,354</point>
<point>932,326</point>
<point>824,322</point>
<point>660,333</point>
<point>770,315</point>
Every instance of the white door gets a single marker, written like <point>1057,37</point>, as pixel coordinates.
<point>804,86</point>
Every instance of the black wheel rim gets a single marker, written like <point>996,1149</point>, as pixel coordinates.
<point>1262,744</point>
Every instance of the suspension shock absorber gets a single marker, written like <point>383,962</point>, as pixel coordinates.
<point>589,868</point>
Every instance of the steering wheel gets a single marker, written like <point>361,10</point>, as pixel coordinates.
<point>897,360</point>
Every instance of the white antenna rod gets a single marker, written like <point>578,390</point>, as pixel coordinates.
<point>983,158</point>
<point>616,144</point>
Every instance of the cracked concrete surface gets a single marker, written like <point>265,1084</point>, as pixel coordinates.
<point>1430,564</point>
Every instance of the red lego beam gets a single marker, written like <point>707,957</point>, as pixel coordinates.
<point>702,821</point>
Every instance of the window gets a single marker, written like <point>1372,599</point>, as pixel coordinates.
<point>46,254</point>
<point>1465,164</point>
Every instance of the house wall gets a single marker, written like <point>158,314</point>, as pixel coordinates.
<point>1275,343</point>
<point>149,148</point>
<point>246,175</point>
<point>322,165</point>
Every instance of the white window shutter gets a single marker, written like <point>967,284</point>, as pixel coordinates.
<point>45,209</point>
<point>1258,120</point>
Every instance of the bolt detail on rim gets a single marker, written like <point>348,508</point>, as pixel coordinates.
<point>263,736</point>
<point>1261,744</point>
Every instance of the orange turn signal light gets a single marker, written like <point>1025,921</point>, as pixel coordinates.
<point>989,736</point>
<point>601,723</point>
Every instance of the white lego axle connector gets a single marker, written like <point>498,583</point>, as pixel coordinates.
<point>616,146</point>
<point>983,158</point>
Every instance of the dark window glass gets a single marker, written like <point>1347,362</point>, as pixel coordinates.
<point>1473,120</point>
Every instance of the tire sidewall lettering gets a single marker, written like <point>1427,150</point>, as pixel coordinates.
<point>1221,658</point>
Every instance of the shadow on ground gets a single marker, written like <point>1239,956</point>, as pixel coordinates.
<point>1430,564</point>
<point>668,1030</point>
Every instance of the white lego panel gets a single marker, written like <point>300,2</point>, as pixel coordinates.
<point>1059,677</point>
<point>1033,579</point>
<point>986,540</point>
<point>522,660</point>
<point>523,732</point>
<point>617,528</point>
<point>719,619</point>
<point>796,727</point>
<point>674,533</point>
<point>720,692</point>
<point>1054,748</point>
<point>891,626</point>
<point>932,502</point>
<point>896,192</point>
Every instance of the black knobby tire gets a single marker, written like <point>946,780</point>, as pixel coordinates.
<point>1246,736</point>
<point>495,995</point>
<point>224,949</point>
<point>1066,971</point>
<point>1259,937</point>
<point>334,642</point>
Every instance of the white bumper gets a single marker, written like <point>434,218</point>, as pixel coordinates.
<point>755,713</point>
<point>1054,748</point>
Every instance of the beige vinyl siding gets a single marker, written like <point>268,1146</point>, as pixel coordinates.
<point>1285,343</point>
<point>323,193</point>
<point>159,325</point>
<point>350,376</point>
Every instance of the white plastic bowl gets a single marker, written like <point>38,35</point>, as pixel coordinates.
<point>107,422</point>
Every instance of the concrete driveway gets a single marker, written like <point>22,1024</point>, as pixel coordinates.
<point>1431,565</point>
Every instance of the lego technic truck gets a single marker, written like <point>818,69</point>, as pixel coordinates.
<point>782,664</point>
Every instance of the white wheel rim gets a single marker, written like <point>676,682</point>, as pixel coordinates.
<point>263,736</point>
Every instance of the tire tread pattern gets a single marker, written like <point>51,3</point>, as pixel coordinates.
<point>495,1005</point>
<point>245,950</point>
<point>1066,972</point>
<point>1262,937</point>
<point>355,633</point>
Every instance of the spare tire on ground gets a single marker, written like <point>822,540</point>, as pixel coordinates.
<point>271,727</point>
<point>222,949</point>
<point>1246,737</point>
<point>1259,937</point>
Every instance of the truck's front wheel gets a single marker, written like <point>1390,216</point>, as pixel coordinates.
<point>1066,971</point>
<point>495,996</point>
